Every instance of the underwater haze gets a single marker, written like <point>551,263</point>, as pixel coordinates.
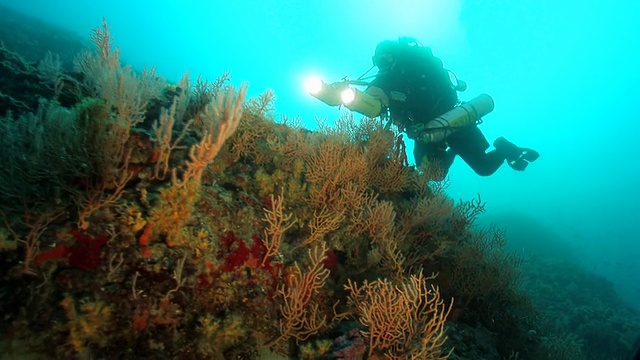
<point>564,76</point>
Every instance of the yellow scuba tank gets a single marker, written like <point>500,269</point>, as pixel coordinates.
<point>460,116</point>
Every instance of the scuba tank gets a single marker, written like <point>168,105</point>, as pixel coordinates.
<point>463,115</point>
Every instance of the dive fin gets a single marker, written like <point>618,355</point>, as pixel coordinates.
<point>517,157</point>
<point>526,156</point>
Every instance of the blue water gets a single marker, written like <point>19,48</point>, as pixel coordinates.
<point>563,74</point>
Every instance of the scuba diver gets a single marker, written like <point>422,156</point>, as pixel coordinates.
<point>415,90</point>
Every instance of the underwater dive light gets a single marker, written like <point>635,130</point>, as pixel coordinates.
<point>313,85</point>
<point>451,121</point>
<point>327,93</point>
<point>359,101</point>
<point>340,93</point>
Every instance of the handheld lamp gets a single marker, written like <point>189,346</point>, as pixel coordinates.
<point>327,93</point>
<point>359,101</point>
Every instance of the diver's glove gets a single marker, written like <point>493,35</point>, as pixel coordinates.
<point>517,157</point>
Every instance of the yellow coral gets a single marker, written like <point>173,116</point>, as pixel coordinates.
<point>315,350</point>
<point>6,243</point>
<point>88,325</point>
<point>296,187</point>
<point>324,346</point>
<point>307,352</point>
<point>202,243</point>
<point>270,183</point>
<point>134,218</point>
<point>217,335</point>
<point>173,212</point>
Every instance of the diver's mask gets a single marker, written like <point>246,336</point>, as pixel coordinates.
<point>384,61</point>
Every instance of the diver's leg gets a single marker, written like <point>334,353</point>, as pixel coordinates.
<point>471,145</point>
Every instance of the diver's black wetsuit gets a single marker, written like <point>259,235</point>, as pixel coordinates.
<point>418,94</point>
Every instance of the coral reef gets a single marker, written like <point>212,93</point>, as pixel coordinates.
<point>147,220</point>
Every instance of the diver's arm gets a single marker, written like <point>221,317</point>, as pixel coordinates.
<point>378,94</point>
<point>372,102</point>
